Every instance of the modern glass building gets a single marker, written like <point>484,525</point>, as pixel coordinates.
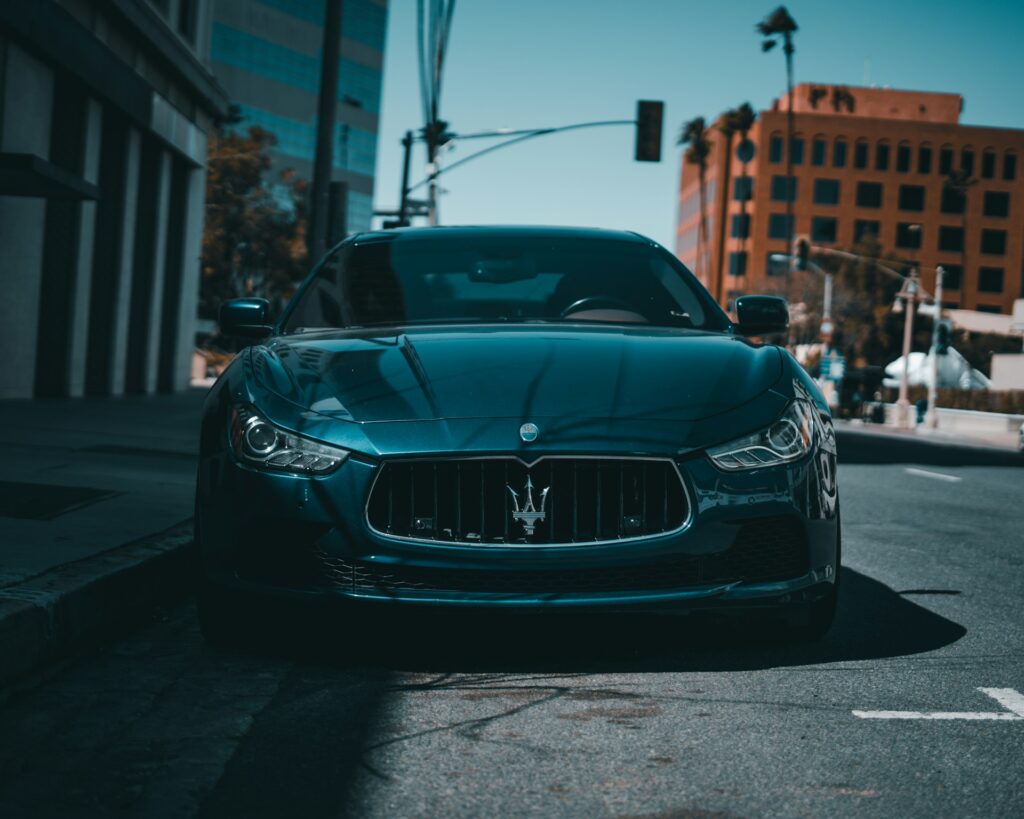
<point>266,54</point>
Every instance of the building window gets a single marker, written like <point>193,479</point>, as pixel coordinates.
<point>775,149</point>
<point>990,280</point>
<point>796,150</point>
<point>1009,166</point>
<point>860,155</point>
<point>945,161</point>
<point>908,235</point>
<point>988,308</point>
<point>783,188</point>
<point>903,158</point>
<point>869,194</point>
<point>988,164</point>
<point>740,226</point>
<point>863,228</point>
<point>826,191</point>
<point>818,151</point>
<point>951,239</point>
<point>882,156</point>
<point>997,204</point>
<point>967,160</point>
<point>823,229</point>
<point>779,226</point>
<point>912,197</point>
<point>743,188</point>
<point>953,275</point>
<point>924,159</point>
<point>738,263</point>
<point>839,154</point>
<point>952,201</point>
<point>993,242</point>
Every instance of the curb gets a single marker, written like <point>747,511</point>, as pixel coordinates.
<point>56,613</point>
<point>864,446</point>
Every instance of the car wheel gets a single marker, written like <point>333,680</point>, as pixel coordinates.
<point>809,622</point>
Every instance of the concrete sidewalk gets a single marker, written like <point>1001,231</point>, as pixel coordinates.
<point>95,516</point>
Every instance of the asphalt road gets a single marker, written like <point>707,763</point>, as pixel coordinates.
<point>650,717</point>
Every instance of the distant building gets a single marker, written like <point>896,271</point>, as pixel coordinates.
<point>865,160</point>
<point>104,110</point>
<point>266,53</point>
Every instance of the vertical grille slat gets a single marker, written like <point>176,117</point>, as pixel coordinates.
<point>587,500</point>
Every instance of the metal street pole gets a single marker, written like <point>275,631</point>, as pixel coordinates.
<point>931,420</point>
<point>403,206</point>
<point>326,105</point>
<point>909,298</point>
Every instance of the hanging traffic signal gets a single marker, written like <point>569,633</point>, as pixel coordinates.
<point>649,115</point>
<point>943,336</point>
<point>803,252</point>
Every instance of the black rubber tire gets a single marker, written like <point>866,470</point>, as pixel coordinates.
<point>810,622</point>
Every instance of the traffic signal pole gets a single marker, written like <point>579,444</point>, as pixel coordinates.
<point>931,420</point>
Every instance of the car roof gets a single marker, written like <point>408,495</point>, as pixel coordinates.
<point>497,232</point>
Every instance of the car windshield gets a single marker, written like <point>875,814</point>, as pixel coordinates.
<point>486,279</point>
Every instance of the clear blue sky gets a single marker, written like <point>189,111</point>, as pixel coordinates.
<point>524,63</point>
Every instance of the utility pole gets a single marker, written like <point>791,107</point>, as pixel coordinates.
<point>931,420</point>
<point>326,106</point>
<point>403,202</point>
<point>909,296</point>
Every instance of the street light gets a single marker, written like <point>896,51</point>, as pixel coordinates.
<point>931,420</point>
<point>908,295</point>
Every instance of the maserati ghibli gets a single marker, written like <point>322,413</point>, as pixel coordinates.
<point>515,418</point>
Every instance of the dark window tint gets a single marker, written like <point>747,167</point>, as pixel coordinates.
<point>775,149</point>
<point>839,154</point>
<point>908,234</point>
<point>997,204</point>
<point>951,238</point>
<point>1009,166</point>
<point>967,160</point>
<point>743,188</point>
<point>783,188</point>
<point>187,18</point>
<point>924,159</point>
<point>952,201</point>
<point>869,194</point>
<point>826,191</point>
<point>912,197</point>
<point>778,226</point>
<point>738,263</point>
<point>797,151</point>
<point>823,229</point>
<point>953,276</point>
<point>990,280</point>
<point>818,152</point>
<point>988,165</point>
<point>882,156</point>
<point>860,155</point>
<point>741,225</point>
<point>903,158</point>
<point>865,227</point>
<point>945,161</point>
<point>993,242</point>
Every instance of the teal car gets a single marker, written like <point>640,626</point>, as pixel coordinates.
<point>515,418</point>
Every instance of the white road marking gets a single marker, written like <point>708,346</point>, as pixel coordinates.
<point>939,476</point>
<point>1009,698</point>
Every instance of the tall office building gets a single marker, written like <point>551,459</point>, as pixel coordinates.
<point>104,110</point>
<point>865,160</point>
<point>266,53</point>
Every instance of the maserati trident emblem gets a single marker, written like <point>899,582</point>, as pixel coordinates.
<point>529,432</point>
<point>528,514</point>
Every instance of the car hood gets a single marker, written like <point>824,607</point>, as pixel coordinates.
<point>524,372</point>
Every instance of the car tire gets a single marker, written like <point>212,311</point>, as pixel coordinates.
<point>809,622</point>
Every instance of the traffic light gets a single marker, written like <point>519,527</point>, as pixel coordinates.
<point>943,336</point>
<point>649,114</point>
<point>803,252</point>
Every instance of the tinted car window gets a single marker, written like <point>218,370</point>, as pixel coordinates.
<point>500,279</point>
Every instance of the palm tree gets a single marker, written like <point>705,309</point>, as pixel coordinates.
<point>734,121</point>
<point>780,25</point>
<point>694,134</point>
<point>741,120</point>
<point>958,183</point>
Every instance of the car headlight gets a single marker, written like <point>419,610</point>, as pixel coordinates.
<point>787,439</point>
<point>259,443</point>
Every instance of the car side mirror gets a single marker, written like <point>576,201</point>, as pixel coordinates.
<point>762,315</point>
<point>245,318</point>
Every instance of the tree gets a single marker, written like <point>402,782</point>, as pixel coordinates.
<point>957,185</point>
<point>780,25</point>
<point>254,237</point>
<point>734,121</point>
<point>694,134</point>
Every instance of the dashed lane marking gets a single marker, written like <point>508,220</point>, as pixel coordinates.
<point>938,476</point>
<point>1009,698</point>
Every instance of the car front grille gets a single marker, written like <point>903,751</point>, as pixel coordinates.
<point>503,501</point>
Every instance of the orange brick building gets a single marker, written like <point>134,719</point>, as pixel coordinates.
<point>865,160</point>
